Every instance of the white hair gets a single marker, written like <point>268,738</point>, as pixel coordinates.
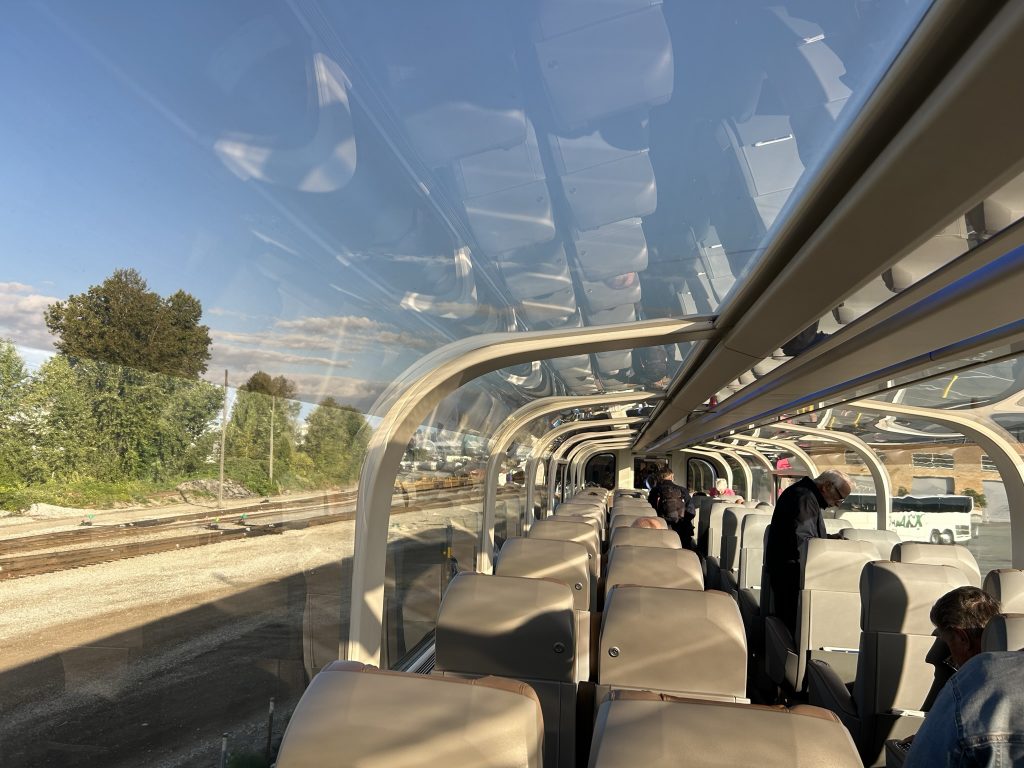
<point>721,484</point>
<point>834,479</point>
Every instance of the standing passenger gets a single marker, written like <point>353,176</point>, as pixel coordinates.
<point>797,518</point>
<point>673,503</point>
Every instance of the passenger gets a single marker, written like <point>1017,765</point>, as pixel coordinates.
<point>797,518</point>
<point>673,503</point>
<point>654,523</point>
<point>959,616</point>
<point>978,719</point>
<point>721,489</point>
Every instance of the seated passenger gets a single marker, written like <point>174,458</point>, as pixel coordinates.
<point>655,523</point>
<point>978,719</point>
<point>959,616</point>
<point>722,488</point>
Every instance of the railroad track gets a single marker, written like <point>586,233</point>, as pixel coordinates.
<point>238,524</point>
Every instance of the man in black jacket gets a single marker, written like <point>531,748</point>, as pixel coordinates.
<point>797,518</point>
<point>673,503</point>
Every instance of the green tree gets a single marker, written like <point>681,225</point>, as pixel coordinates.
<point>121,321</point>
<point>14,447</point>
<point>260,402</point>
<point>336,438</point>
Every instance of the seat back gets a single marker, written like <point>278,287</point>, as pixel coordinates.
<point>640,728</point>
<point>518,628</point>
<point>752,533</point>
<point>834,525</point>
<point>676,641</point>
<point>1007,586</point>
<point>732,523</point>
<point>582,530</point>
<point>394,718</point>
<point>955,555</point>
<point>644,537</point>
<point>654,567</point>
<point>828,617</point>
<point>1004,632</point>
<point>716,519</point>
<point>564,561</point>
<point>581,510</point>
<point>893,677</point>
<point>884,541</point>
<point>624,519</point>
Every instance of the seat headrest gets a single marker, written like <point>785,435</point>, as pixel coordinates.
<point>350,709</point>
<point>673,640</point>
<point>625,519</point>
<point>586,526</point>
<point>955,555</point>
<point>1007,586</point>
<point>834,565</point>
<point>654,567</point>
<point>897,597</point>
<point>507,626</point>
<point>1004,632</point>
<point>645,537</point>
<point>563,561</point>
<point>753,528</point>
<point>884,541</point>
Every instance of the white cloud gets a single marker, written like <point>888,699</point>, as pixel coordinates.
<point>21,316</point>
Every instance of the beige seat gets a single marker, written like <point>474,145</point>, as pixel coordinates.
<point>638,728</point>
<point>1004,632</point>
<point>563,561</point>
<point>752,533</point>
<point>352,714</point>
<point>955,555</point>
<point>676,641</point>
<point>644,537</point>
<point>828,614</point>
<point>624,519</point>
<point>525,629</point>
<point>884,541</point>
<point>592,513</point>
<point>632,507</point>
<point>1007,586</point>
<point>582,530</point>
<point>893,676</point>
<point>654,567</point>
<point>732,522</point>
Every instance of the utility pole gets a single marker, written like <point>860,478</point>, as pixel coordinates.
<point>273,403</point>
<point>223,434</point>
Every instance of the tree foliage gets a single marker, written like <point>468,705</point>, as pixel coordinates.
<point>121,321</point>
<point>260,402</point>
<point>336,438</point>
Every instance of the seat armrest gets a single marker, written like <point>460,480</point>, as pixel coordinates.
<point>826,689</point>
<point>779,650</point>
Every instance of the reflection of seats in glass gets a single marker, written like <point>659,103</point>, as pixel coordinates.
<point>539,643</point>
<point>1004,632</point>
<point>624,289</point>
<point>654,567</point>
<point>611,250</point>
<point>678,641</point>
<point>828,614</point>
<point>893,677</point>
<point>862,301</point>
<point>1004,206</point>
<point>955,555</point>
<point>613,362</point>
<point>935,252</point>
<point>350,709</point>
<point>883,541</point>
<point>641,728</point>
<point>604,183</point>
<point>599,59</point>
<point>506,197</point>
<point>563,561</point>
<point>1007,586</point>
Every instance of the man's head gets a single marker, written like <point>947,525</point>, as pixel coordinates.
<point>721,485</point>
<point>666,473</point>
<point>654,523</point>
<point>834,486</point>
<point>960,617</point>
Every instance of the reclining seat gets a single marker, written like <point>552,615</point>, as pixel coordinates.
<point>582,530</point>
<point>644,537</point>
<point>732,522</point>
<point>955,555</point>
<point>675,641</point>
<point>638,728</point>
<point>374,717</point>
<point>524,629</point>
<point>625,519</point>
<point>884,541</point>
<point>594,512</point>
<point>893,677</point>
<point>654,567</point>
<point>828,614</point>
<point>1004,632</point>
<point>753,532</point>
<point>1007,586</point>
<point>716,523</point>
<point>562,561</point>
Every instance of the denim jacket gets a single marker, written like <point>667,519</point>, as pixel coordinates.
<point>978,719</point>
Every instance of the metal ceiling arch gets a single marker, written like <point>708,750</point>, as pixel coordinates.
<point>414,394</point>
<point>879,474</point>
<point>748,477</point>
<point>557,462</point>
<point>501,440</point>
<point>747,450</point>
<point>944,96</point>
<point>584,453</point>
<point>716,457</point>
<point>786,445</point>
<point>999,445</point>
